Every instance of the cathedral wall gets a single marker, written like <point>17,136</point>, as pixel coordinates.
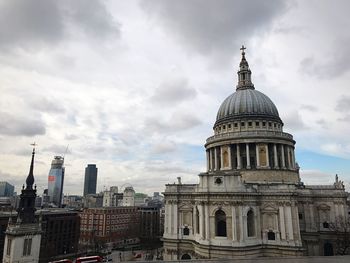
<point>270,176</point>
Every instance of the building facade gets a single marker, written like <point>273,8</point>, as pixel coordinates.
<point>90,181</point>
<point>60,234</point>
<point>250,202</point>
<point>109,227</point>
<point>6,189</point>
<point>55,181</point>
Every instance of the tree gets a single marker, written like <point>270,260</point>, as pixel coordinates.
<point>341,230</point>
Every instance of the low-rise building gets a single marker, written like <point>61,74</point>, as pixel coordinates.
<point>109,227</point>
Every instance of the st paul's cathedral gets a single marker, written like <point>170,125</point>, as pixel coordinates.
<point>251,201</point>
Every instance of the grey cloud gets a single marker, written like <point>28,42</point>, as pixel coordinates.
<point>178,122</point>
<point>343,104</point>
<point>93,17</point>
<point>17,125</point>
<point>43,104</point>
<point>22,22</point>
<point>308,107</point>
<point>346,118</point>
<point>32,24</point>
<point>58,149</point>
<point>214,27</point>
<point>173,92</point>
<point>71,137</point>
<point>163,147</point>
<point>336,63</point>
<point>293,121</point>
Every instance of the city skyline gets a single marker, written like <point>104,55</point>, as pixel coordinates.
<point>134,87</point>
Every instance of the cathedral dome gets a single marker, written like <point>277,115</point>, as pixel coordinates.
<point>247,103</point>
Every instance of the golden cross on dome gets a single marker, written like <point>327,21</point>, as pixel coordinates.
<point>243,48</point>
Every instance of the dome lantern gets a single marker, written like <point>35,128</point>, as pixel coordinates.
<point>244,73</point>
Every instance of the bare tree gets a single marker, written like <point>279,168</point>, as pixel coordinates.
<point>341,230</point>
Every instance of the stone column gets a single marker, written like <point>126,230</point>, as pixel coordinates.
<point>175,214</point>
<point>215,159</point>
<point>289,159</point>
<point>194,219</point>
<point>283,159</point>
<point>211,159</point>
<point>247,155</point>
<point>241,223</point>
<point>208,160</point>
<point>289,223</point>
<point>282,223</point>
<point>170,227</point>
<point>207,235</point>
<point>239,166</point>
<point>267,156</point>
<point>275,155</point>
<point>166,224</point>
<point>257,156</point>
<point>293,157</point>
<point>201,221</point>
<point>229,156</point>
<point>312,218</point>
<point>234,235</point>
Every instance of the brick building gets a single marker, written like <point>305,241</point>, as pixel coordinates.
<point>109,227</point>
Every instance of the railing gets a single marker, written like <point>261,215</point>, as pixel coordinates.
<point>245,134</point>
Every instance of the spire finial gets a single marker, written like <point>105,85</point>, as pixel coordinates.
<point>30,177</point>
<point>243,48</point>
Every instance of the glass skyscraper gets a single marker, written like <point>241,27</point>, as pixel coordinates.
<point>55,181</point>
<point>90,181</point>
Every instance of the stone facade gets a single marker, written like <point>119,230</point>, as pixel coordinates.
<point>250,202</point>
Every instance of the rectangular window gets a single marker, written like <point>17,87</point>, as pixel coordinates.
<point>8,249</point>
<point>270,124</point>
<point>250,124</point>
<point>257,124</point>
<point>242,124</point>
<point>236,124</point>
<point>264,124</point>
<point>229,126</point>
<point>27,247</point>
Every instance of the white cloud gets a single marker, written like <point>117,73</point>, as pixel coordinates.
<point>135,88</point>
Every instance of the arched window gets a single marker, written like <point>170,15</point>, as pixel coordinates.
<point>220,223</point>
<point>271,235</point>
<point>197,221</point>
<point>186,231</point>
<point>250,223</point>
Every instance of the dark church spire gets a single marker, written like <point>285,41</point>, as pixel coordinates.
<point>26,208</point>
<point>244,73</point>
<point>30,177</point>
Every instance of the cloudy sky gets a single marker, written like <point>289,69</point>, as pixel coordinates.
<point>134,86</point>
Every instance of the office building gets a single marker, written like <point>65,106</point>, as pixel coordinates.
<point>6,189</point>
<point>55,181</point>
<point>90,181</point>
